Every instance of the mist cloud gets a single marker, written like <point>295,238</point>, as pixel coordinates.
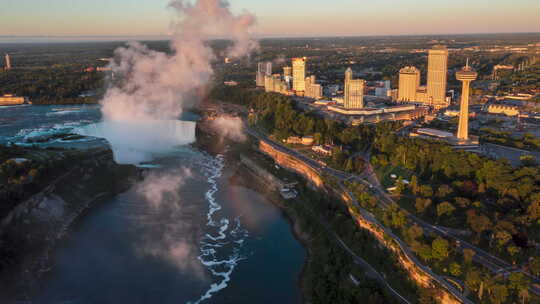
<point>153,85</point>
<point>170,237</point>
<point>149,89</point>
<point>229,127</point>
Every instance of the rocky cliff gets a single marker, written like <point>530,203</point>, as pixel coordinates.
<point>30,230</point>
<point>417,273</point>
<point>292,163</point>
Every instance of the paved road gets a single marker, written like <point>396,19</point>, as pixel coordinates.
<point>406,251</point>
<point>370,270</point>
<point>513,155</point>
<point>346,176</point>
<point>491,262</point>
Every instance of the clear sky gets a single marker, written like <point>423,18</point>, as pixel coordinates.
<point>275,17</point>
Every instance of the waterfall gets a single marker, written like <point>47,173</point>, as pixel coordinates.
<point>136,143</point>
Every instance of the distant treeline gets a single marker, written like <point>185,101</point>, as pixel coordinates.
<point>59,84</point>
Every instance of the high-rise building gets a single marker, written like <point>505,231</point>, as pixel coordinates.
<point>437,75</point>
<point>8,62</point>
<point>268,69</point>
<point>409,83</point>
<point>466,76</point>
<point>348,74</point>
<point>434,93</point>
<point>313,89</point>
<point>263,69</point>
<point>354,94</point>
<point>275,83</point>
<point>353,91</point>
<point>268,83</point>
<point>299,74</point>
<point>308,85</point>
<point>287,71</point>
<point>261,73</point>
<point>348,77</point>
<point>317,91</point>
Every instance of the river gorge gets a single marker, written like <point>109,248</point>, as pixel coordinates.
<point>193,230</point>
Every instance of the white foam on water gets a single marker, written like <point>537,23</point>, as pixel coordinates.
<point>14,106</point>
<point>46,130</point>
<point>141,142</point>
<point>62,112</point>
<point>212,247</point>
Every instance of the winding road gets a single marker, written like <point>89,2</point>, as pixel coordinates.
<point>368,178</point>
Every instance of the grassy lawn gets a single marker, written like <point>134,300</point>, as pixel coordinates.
<point>384,174</point>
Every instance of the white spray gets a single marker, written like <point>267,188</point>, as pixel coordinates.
<point>151,88</point>
<point>156,85</point>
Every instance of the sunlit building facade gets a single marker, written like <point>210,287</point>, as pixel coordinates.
<point>434,93</point>
<point>409,83</point>
<point>299,74</point>
<point>313,89</point>
<point>287,71</point>
<point>7,62</point>
<point>354,94</point>
<point>437,76</point>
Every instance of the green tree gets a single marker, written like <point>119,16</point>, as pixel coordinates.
<point>455,269</point>
<point>444,191</point>
<point>462,202</point>
<point>473,279</point>
<point>468,255</point>
<point>499,294</point>
<point>478,223</point>
<point>517,282</point>
<point>422,204</point>
<point>440,249</point>
<point>513,250</point>
<point>533,211</point>
<point>502,237</point>
<point>534,266</point>
<point>413,233</point>
<point>426,191</point>
<point>425,252</point>
<point>414,184</point>
<point>445,208</point>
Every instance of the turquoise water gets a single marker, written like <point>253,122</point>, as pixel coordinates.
<point>192,232</point>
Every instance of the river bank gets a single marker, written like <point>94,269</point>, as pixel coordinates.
<point>266,184</point>
<point>260,183</point>
<point>32,230</point>
<point>329,273</point>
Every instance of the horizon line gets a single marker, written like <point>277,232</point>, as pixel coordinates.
<point>121,38</point>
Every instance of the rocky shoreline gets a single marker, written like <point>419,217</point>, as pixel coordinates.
<point>206,141</point>
<point>302,236</point>
<point>40,222</point>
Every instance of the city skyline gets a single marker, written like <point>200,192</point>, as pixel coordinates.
<point>277,19</point>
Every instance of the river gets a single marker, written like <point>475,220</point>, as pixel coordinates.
<point>193,231</point>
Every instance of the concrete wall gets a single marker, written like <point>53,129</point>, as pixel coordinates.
<point>293,164</point>
<point>420,276</point>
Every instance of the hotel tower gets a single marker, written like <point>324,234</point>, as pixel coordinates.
<point>437,76</point>
<point>354,91</point>
<point>299,74</point>
<point>409,83</point>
